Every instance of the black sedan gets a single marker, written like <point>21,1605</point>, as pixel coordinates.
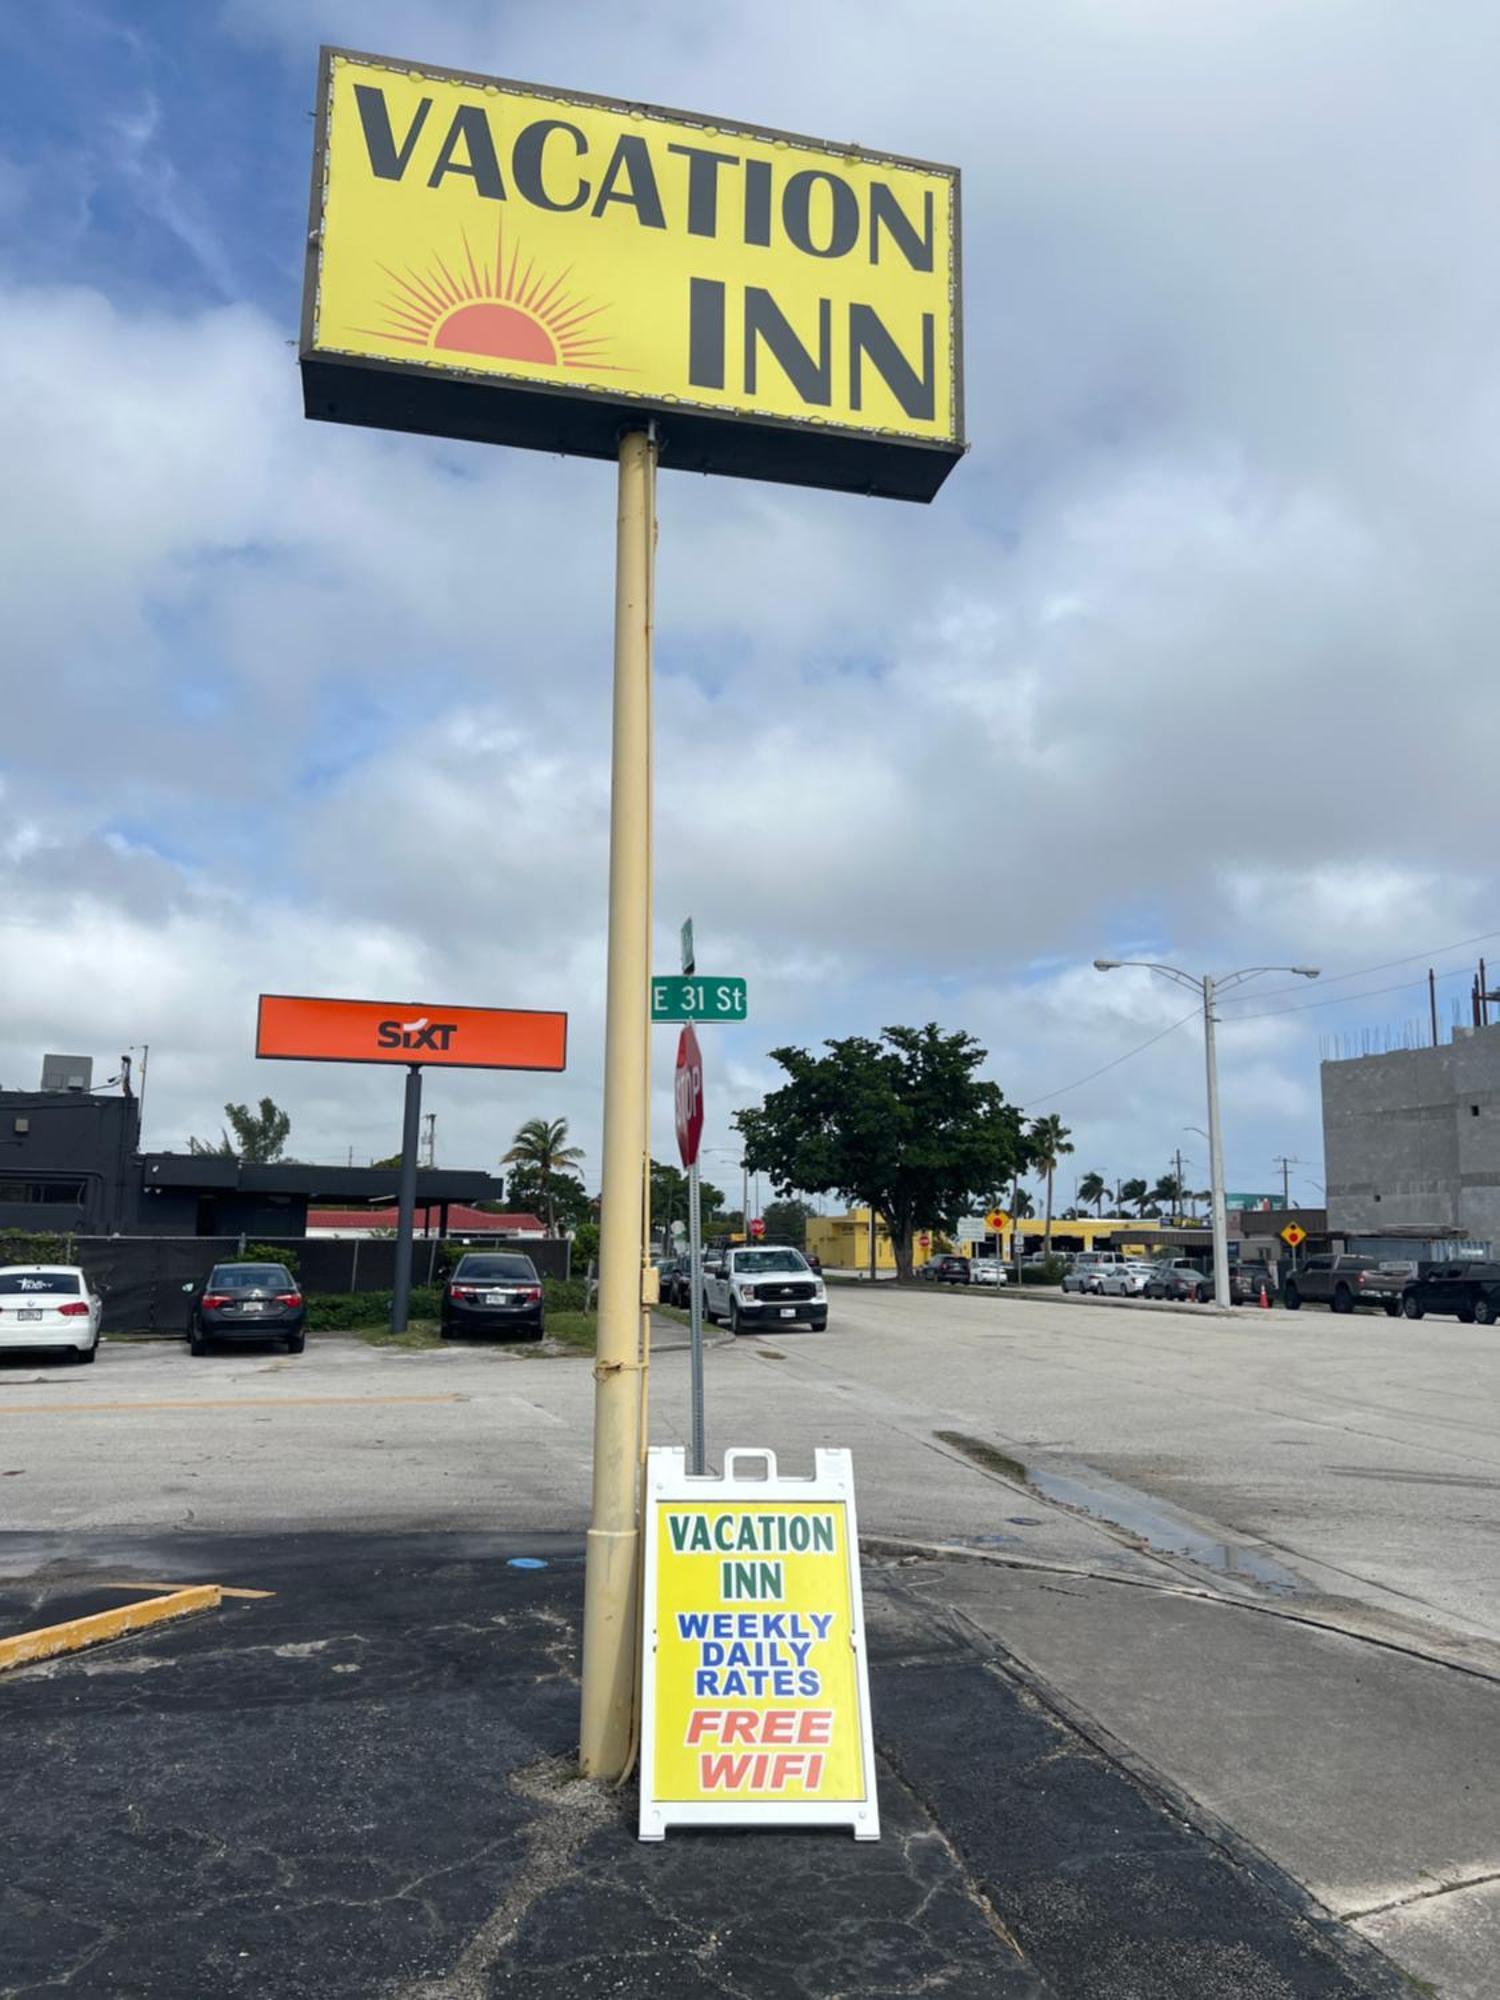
<point>493,1291</point>
<point>1470,1291</point>
<point>946,1269</point>
<point>248,1302</point>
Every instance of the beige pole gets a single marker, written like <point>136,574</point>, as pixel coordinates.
<point>609,1593</point>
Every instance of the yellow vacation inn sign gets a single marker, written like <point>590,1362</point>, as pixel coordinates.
<point>495,261</point>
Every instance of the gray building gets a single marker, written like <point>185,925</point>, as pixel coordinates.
<point>1411,1140</point>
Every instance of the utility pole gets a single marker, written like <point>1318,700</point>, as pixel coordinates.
<point>1206,986</point>
<point>1286,1164</point>
<point>1181,1183</point>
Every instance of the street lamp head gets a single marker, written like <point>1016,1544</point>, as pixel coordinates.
<point>1106,965</point>
<point>1307,971</point>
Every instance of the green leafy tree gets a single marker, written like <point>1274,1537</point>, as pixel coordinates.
<point>1093,1188</point>
<point>1020,1205</point>
<point>901,1125</point>
<point>1050,1143</point>
<point>259,1136</point>
<point>669,1196</point>
<point>541,1148</point>
<point>786,1222</point>
<point>557,1197</point>
<point>1134,1194</point>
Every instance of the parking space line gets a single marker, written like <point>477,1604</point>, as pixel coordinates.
<point>25,1648</point>
<point>215,1403</point>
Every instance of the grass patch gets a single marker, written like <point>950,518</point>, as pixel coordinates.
<point>985,1455</point>
<point>574,1329</point>
<point>420,1335</point>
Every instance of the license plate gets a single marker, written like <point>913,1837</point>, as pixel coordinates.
<point>24,1314</point>
<point>496,1299</point>
<point>788,1312</point>
<point>252,1306</point>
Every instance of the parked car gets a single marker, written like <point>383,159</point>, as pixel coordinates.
<point>765,1284</point>
<point>1127,1280</point>
<point>49,1306</point>
<point>947,1268</point>
<point>987,1271</point>
<point>1246,1282</point>
<point>675,1279</point>
<point>1086,1272</point>
<point>248,1302</point>
<point>1468,1289</point>
<point>493,1291</point>
<point>1178,1278</point>
<point>1343,1282</point>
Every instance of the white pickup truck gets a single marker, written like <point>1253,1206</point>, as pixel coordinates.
<point>763,1284</point>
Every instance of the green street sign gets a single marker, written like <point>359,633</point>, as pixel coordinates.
<point>700,999</point>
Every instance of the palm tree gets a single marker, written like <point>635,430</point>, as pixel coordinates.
<point>1093,1188</point>
<point>541,1147</point>
<point>1050,1141</point>
<point>1168,1192</point>
<point>1136,1194</point>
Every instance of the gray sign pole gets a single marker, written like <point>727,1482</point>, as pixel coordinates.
<point>695,1317</point>
<point>406,1199</point>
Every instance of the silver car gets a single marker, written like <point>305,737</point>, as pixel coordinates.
<point>1127,1280</point>
<point>1088,1270</point>
<point>987,1271</point>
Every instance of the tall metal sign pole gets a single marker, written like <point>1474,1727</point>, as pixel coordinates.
<point>406,1200</point>
<point>688,1100</point>
<point>609,1585</point>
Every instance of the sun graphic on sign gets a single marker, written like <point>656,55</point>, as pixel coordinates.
<point>504,310</point>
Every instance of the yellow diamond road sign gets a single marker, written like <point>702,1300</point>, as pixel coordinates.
<point>1293,1234</point>
<point>997,1221</point>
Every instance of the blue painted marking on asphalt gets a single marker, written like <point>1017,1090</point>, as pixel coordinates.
<point>525,1562</point>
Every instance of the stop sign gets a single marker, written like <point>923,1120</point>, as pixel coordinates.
<point>757,1227</point>
<point>688,1096</point>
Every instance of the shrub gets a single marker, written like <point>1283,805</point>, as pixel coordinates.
<point>272,1253</point>
<point>1048,1272</point>
<point>22,1246</point>
<point>563,1294</point>
<point>335,1312</point>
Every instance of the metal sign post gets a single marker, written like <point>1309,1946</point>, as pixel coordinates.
<point>688,1100</point>
<point>406,1200</point>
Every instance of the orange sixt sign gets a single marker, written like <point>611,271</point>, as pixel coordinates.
<point>301,1029</point>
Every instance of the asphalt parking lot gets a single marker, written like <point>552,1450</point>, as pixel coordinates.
<point>1247,1558</point>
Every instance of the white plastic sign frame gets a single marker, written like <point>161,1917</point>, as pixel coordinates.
<point>669,1483</point>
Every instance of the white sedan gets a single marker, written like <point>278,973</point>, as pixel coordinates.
<point>49,1305</point>
<point>987,1271</point>
<point>1127,1280</point>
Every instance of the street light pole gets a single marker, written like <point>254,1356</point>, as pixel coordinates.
<point>1215,1150</point>
<point>1208,988</point>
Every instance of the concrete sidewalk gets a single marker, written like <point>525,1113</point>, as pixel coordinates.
<point>363,1786</point>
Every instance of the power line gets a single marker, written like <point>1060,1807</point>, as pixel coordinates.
<point>1413,958</point>
<point>1346,999</point>
<point>1139,1049</point>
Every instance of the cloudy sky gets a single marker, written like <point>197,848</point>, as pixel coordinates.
<point>1192,659</point>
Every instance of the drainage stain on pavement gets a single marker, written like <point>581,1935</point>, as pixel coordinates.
<point>1153,1523</point>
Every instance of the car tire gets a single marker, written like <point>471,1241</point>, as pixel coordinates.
<point>1466,1315</point>
<point>734,1318</point>
<point>1484,1313</point>
<point>1411,1308</point>
<point>197,1345</point>
<point>708,1312</point>
<point>1291,1298</point>
<point>819,1325</point>
<point>1392,1308</point>
<point>88,1354</point>
<point>295,1342</point>
<point>1343,1299</point>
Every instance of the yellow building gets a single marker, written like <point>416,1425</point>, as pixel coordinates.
<point>842,1242</point>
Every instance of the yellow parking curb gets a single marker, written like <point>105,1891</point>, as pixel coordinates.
<point>75,1633</point>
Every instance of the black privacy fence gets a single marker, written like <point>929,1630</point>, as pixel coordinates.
<point>147,1282</point>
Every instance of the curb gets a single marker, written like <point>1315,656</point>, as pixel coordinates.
<point>74,1634</point>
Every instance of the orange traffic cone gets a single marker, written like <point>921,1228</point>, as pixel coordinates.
<point>1263,1298</point>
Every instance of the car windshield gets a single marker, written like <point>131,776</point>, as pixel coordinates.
<point>249,1278</point>
<point>40,1281</point>
<point>496,1267</point>
<point>758,1263</point>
